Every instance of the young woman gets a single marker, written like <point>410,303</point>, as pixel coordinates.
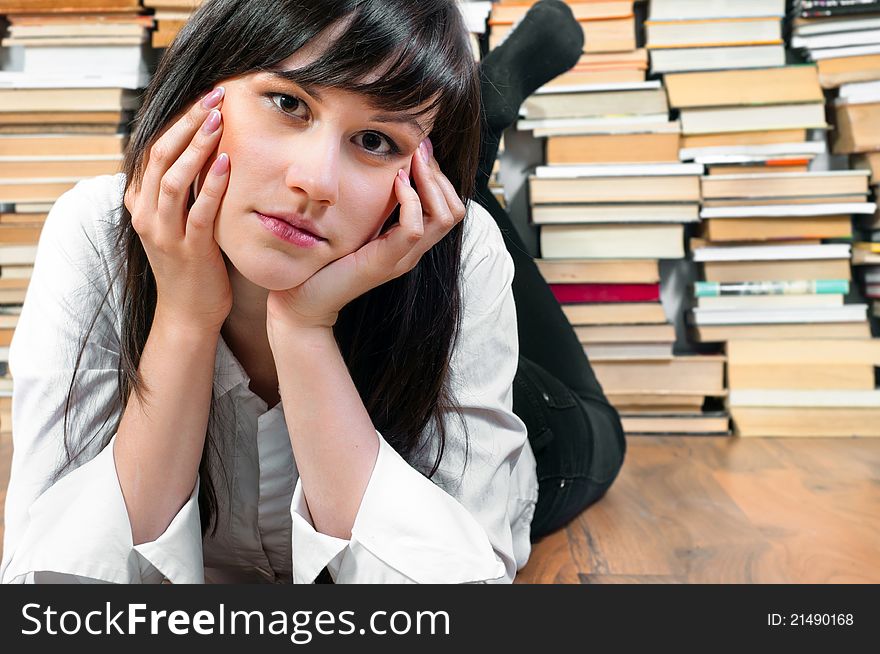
<point>275,346</point>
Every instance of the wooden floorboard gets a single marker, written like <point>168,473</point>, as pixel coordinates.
<point>727,510</point>
<point>715,510</point>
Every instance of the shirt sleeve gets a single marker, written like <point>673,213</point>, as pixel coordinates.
<point>470,522</point>
<point>76,528</point>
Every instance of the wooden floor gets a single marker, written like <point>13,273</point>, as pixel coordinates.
<point>725,510</point>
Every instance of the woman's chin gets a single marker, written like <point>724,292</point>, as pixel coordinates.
<point>273,279</point>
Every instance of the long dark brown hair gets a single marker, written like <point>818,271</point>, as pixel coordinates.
<point>397,339</point>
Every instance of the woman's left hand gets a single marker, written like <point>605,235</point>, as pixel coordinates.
<point>425,218</point>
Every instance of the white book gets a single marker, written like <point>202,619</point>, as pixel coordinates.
<point>845,313</point>
<point>721,58</point>
<point>475,15</point>
<point>861,93</point>
<point>79,80</point>
<point>836,40</point>
<point>745,158</point>
<point>706,9</point>
<point>852,51</point>
<point>829,26</point>
<point>786,210</point>
<point>671,212</point>
<point>641,119</point>
<point>773,150</point>
<point>598,88</point>
<point>772,252</point>
<point>61,60</point>
<point>663,127</point>
<point>750,119</point>
<point>637,241</point>
<point>17,255</point>
<point>567,171</point>
<point>805,398</point>
<point>770,301</point>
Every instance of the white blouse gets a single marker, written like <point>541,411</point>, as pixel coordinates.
<point>470,527</point>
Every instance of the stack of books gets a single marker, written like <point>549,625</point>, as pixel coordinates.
<point>476,17</point>
<point>170,17</point>
<point>804,387</point>
<point>687,35</point>
<point>750,120</point>
<point>764,234</point>
<point>841,36</point>
<point>610,53</point>
<point>72,70</point>
<point>603,229</point>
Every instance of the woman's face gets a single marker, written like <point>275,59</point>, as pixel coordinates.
<point>321,156</point>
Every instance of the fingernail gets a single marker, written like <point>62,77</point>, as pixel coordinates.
<point>423,151</point>
<point>430,147</point>
<point>221,165</point>
<point>402,175</point>
<point>213,98</point>
<point>212,122</point>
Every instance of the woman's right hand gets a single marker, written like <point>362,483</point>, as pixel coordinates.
<point>192,284</point>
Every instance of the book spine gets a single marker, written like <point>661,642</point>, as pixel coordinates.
<point>569,293</point>
<point>800,287</point>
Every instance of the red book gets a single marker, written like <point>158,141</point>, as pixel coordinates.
<point>606,292</point>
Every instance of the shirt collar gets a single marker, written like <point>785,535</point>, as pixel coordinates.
<point>228,372</point>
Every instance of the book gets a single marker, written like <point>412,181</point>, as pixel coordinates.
<point>637,333</point>
<point>759,271</point>
<point>793,287</point>
<point>842,330</point>
<point>845,313</point>
<point>857,128</point>
<point>717,423</point>
<point>682,188</point>
<point>37,145</point>
<point>72,100</point>
<point>36,190</point>
<point>612,148</point>
<point>803,208</point>
<point>674,60</point>
<point>13,168</point>
<point>630,241</point>
<point>614,313</point>
<point>599,271</point>
<point>787,184</point>
<point>807,421</point>
<point>721,140</point>
<point>616,351</point>
<point>708,33</point>
<point>727,302</point>
<point>741,119</point>
<point>772,253</point>
<point>769,229</point>
<point>709,9</point>
<point>797,352</point>
<point>783,85</point>
<point>511,13</point>
<point>673,212</point>
<point>835,71</point>
<point>651,99</point>
<point>800,376</point>
<point>617,170</point>
<point>600,292</point>
<point>703,375</point>
<point>79,6</point>
<point>16,255</point>
<point>607,35</point>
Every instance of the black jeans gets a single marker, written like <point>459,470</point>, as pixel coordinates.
<point>575,433</point>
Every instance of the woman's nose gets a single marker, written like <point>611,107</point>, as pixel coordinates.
<point>314,166</point>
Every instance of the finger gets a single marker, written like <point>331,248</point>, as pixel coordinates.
<point>169,146</point>
<point>200,222</point>
<point>453,200</point>
<point>175,186</point>
<point>438,216</point>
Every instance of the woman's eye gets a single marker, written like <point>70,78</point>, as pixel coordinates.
<point>376,143</point>
<point>290,105</point>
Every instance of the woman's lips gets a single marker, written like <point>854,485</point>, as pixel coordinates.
<point>287,232</point>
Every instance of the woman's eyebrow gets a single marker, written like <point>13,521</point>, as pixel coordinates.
<point>399,117</point>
